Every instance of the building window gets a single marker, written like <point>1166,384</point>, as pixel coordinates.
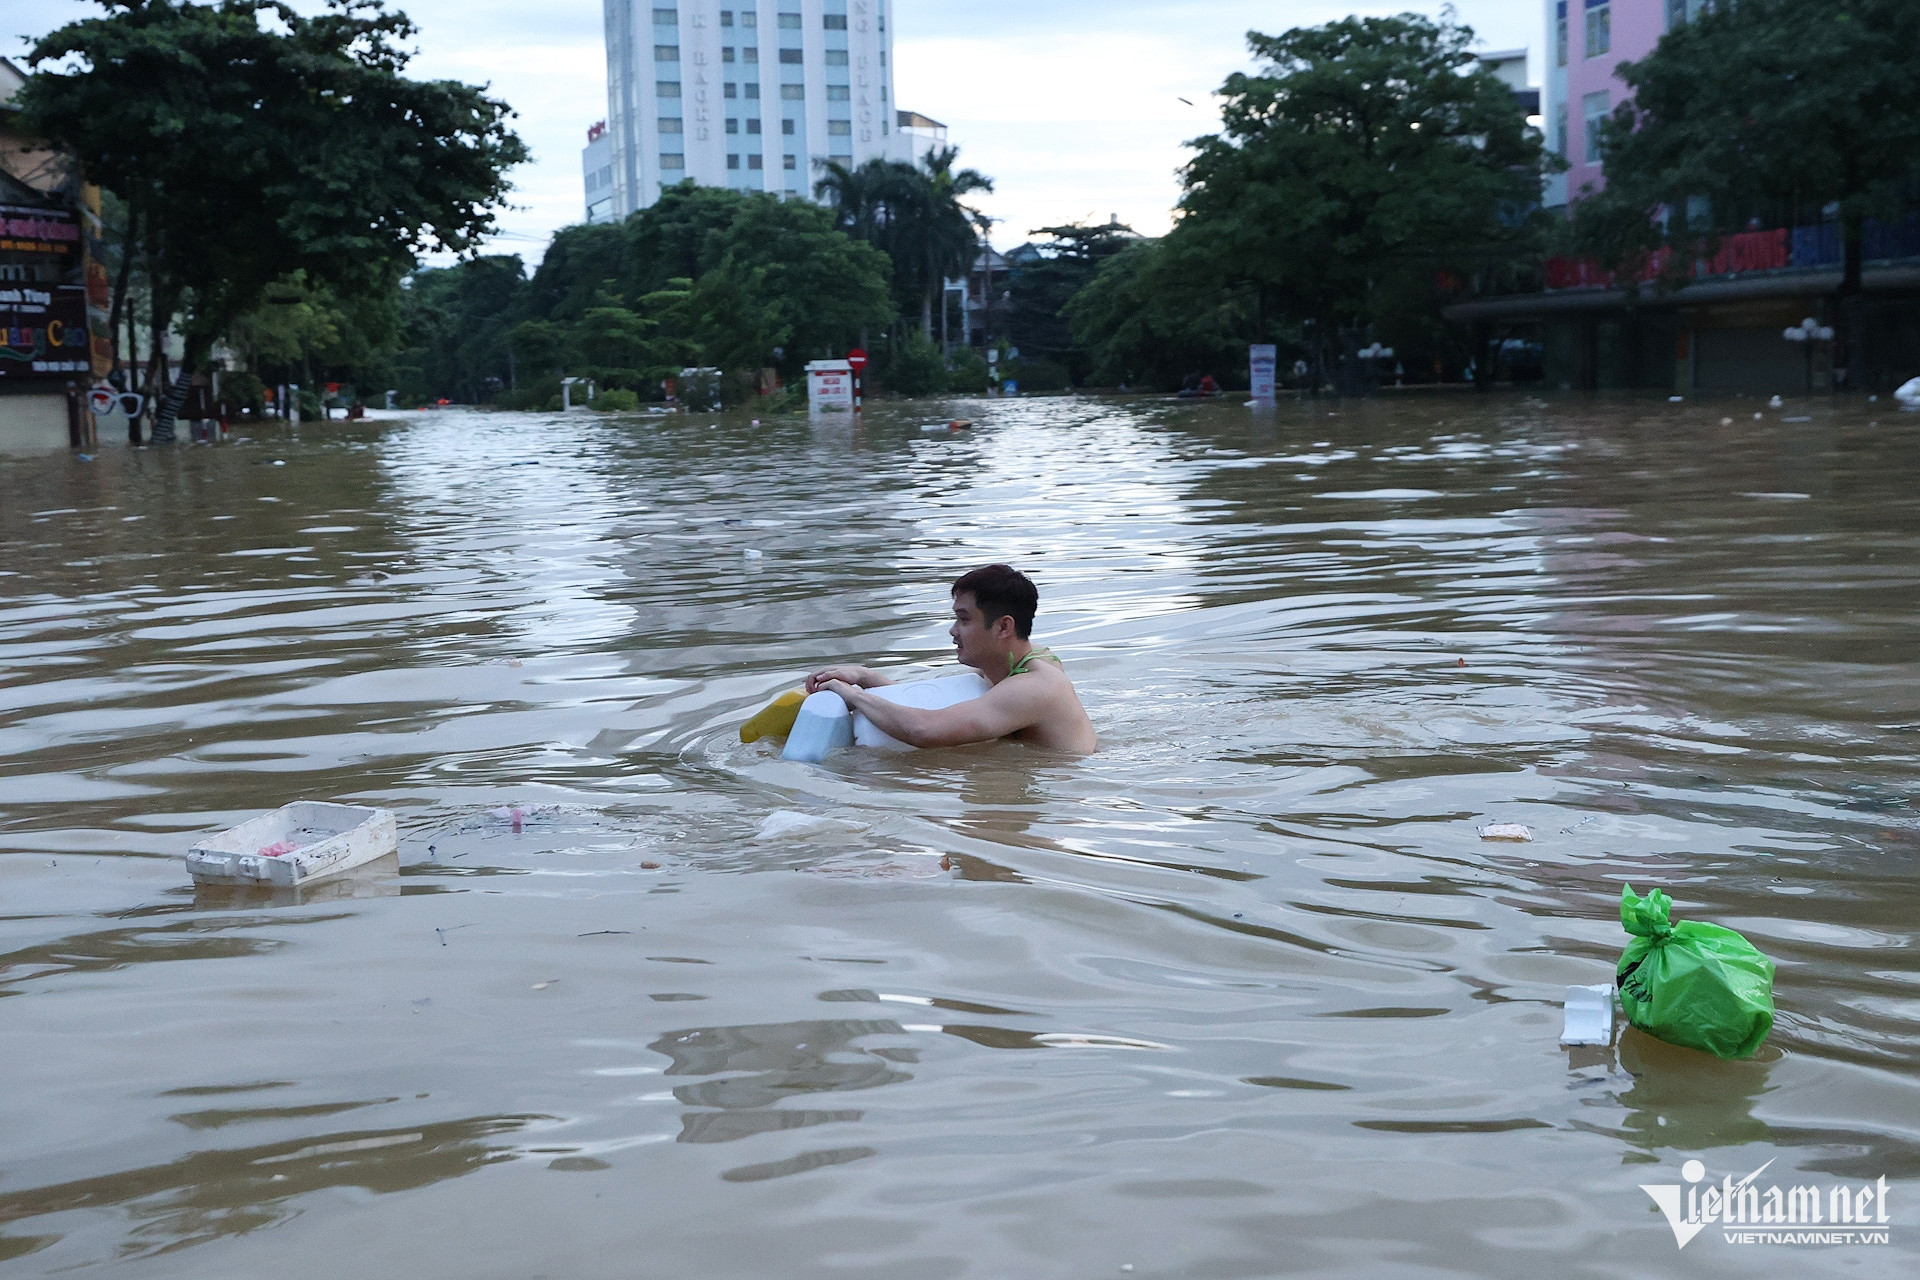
<point>753,90</point>
<point>786,127</point>
<point>733,162</point>
<point>1594,107</point>
<point>839,93</point>
<point>749,18</point>
<point>753,162</point>
<point>666,17</point>
<point>1599,28</point>
<point>726,17</point>
<point>733,124</point>
<point>1560,35</point>
<point>666,53</point>
<point>840,128</point>
<point>792,57</point>
<point>1560,129</point>
<point>671,124</point>
<point>789,162</point>
<point>673,160</point>
<point>789,22</point>
<point>836,57</point>
<point>667,88</point>
<point>729,90</point>
<point>793,92</point>
<point>836,22</point>
<point>753,126</point>
<point>726,53</point>
<point>751,54</point>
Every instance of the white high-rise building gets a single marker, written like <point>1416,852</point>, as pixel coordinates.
<point>745,94</point>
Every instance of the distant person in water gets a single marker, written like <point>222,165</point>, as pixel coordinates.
<point>1031,700</point>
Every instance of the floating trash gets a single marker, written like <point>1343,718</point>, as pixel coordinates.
<point>787,824</point>
<point>1693,984</point>
<point>1506,831</point>
<point>295,845</point>
<point>1589,1015</point>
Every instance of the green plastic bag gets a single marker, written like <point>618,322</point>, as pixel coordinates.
<point>1692,984</point>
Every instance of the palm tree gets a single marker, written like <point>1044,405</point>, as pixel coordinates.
<point>948,235</point>
<point>914,215</point>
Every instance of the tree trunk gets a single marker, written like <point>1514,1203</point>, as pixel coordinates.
<point>169,407</point>
<point>198,349</point>
<point>1847,340</point>
<point>120,290</point>
<point>158,375</point>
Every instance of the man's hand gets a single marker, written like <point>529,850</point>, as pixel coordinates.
<point>859,677</point>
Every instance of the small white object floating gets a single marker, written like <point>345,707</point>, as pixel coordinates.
<point>826,723</point>
<point>1908,393</point>
<point>297,844</point>
<point>1589,1015</point>
<point>1506,831</point>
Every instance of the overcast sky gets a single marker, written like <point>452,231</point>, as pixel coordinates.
<point>1071,106</point>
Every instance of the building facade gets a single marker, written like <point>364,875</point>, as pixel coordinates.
<point>1740,324</point>
<point>746,94</point>
<point>1587,40</point>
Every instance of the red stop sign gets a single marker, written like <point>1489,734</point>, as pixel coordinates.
<point>857,358</point>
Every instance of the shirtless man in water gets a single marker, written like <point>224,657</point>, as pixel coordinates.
<point>1031,699</point>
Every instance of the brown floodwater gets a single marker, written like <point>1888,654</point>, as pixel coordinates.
<point>1244,994</point>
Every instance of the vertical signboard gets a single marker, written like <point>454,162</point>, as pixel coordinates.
<point>43,304</point>
<point>99,288</point>
<point>1261,362</point>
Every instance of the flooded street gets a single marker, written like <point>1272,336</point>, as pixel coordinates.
<point>1244,994</point>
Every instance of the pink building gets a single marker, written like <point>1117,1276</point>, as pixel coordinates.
<point>1587,40</point>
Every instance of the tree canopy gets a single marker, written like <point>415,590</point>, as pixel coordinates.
<point>703,277</point>
<point>251,141</point>
<point>916,215</point>
<point>1369,155</point>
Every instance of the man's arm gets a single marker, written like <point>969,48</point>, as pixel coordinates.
<point>1010,706</point>
<point>861,677</point>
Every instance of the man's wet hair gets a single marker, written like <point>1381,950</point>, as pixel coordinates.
<point>999,591</point>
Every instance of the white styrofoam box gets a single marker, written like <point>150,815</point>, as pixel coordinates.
<point>326,838</point>
<point>826,723</point>
<point>927,695</point>
<point>1589,1015</point>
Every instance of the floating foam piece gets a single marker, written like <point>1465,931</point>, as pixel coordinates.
<point>1589,1015</point>
<point>295,845</point>
<point>826,724</point>
<point>789,824</point>
<point>1506,831</point>
<point>927,695</point>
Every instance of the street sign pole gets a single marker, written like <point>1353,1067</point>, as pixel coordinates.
<point>858,359</point>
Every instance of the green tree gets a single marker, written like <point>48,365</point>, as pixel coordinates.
<point>1042,289</point>
<point>251,141</point>
<point>457,321</point>
<point>1769,109</point>
<point>1367,156</point>
<point>916,215</point>
<point>1157,311</point>
<point>822,288</point>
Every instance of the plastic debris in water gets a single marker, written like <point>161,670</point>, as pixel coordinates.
<point>1691,983</point>
<point>1506,831</point>
<point>786,824</point>
<point>1589,1015</point>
